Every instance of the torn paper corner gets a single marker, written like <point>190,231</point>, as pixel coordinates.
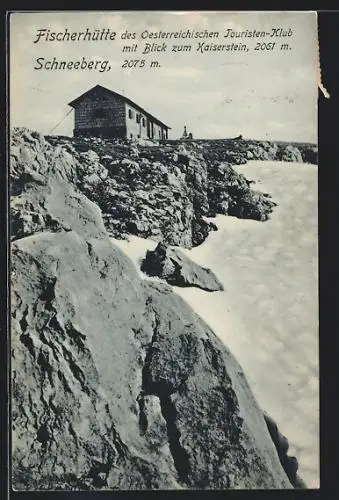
<point>320,83</point>
<point>323,90</point>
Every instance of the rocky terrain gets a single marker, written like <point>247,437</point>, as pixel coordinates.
<point>116,382</point>
<point>165,191</point>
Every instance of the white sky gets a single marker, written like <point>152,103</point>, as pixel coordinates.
<point>259,94</point>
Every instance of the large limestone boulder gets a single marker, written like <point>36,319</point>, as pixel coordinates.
<point>177,269</point>
<point>290,153</point>
<point>263,150</point>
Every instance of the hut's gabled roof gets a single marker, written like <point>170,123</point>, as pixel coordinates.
<point>76,101</point>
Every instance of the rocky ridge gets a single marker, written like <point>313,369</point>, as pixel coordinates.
<point>162,191</point>
<point>117,383</point>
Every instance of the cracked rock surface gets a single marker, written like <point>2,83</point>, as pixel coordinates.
<point>116,382</point>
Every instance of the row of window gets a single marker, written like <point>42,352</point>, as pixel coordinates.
<point>138,117</point>
<point>161,134</point>
<point>100,113</point>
